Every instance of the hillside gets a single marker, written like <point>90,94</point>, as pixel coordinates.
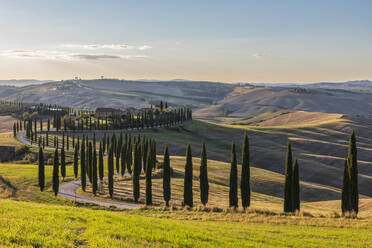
<point>118,93</point>
<point>209,99</point>
<point>251,101</point>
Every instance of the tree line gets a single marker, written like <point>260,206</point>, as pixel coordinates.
<point>136,155</point>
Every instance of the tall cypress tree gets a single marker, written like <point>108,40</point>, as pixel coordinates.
<point>100,163</point>
<point>346,200</point>
<point>166,177</point>
<point>233,193</point>
<point>154,154</point>
<point>111,171</point>
<point>296,187</point>
<point>204,185</point>
<point>288,185</point>
<point>187,193</point>
<point>136,174</point>
<point>76,161</point>
<point>94,173</point>
<point>117,156</point>
<point>90,162</point>
<point>352,161</point>
<point>14,130</point>
<point>148,179</point>
<point>55,173</point>
<point>245,187</point>
<point>41,170</point>
<point>123,158</point>
<point>129,156</point>
<point>63,164</point>
<point>83,177</point>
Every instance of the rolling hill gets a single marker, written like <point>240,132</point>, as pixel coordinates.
<point>118,93</point>
<point>251,101</point>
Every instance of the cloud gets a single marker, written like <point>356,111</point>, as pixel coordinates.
<point>107,46</point>
<point>94,56</point>
<point>64,55</point>
<point>261,55</point>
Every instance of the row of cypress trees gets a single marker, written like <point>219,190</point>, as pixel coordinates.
<point>245,189</point>
<point>144,119</point>
<point>146,161</point>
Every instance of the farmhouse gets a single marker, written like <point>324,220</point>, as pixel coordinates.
<point>107,112</point>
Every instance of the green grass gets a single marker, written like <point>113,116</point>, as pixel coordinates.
<point>24,178</point>
<point>42,225</point>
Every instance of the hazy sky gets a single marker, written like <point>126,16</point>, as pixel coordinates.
<point>231,41</point>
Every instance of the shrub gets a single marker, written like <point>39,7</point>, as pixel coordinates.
<point>22,149</point>
<point>31,158</point>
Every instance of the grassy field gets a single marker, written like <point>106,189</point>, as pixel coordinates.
<point>44,225</point>
<point>31,218</point>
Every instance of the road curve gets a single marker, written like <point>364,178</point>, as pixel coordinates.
<point>68,190</point>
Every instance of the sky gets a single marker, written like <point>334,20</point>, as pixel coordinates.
<point>258,41</point>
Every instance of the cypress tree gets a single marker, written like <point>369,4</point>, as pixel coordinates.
<point>82,166</point>
<point>76,161</point>
<point>245,187</point>
<point>41,170</point>
<point>288,185</point>
<point>296,187</point>
<point>94,173</point>
<point>104,142</point>
<point>107,143</point>
<point>90,162</point>
<point>154,154</point>
<point>55,173</point>
<point>14,130</point>
<point>233,193</point>
<point>187,193</point>
<point>352,161</point>
<point>123,153</point>
<point>136,174</point>
<point>346,201</point>
<point>129,156</point>
<point>166,177</point>
<point>117,155</point>
<point>63,163</point>
<point>111,171</point>
<point>148,179</point>
<point>100,163</point>
<point>63,140</point>
<point>204,185</point>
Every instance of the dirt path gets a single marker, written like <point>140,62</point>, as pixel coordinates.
<point>21,137</point>
<point>68,190</point>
